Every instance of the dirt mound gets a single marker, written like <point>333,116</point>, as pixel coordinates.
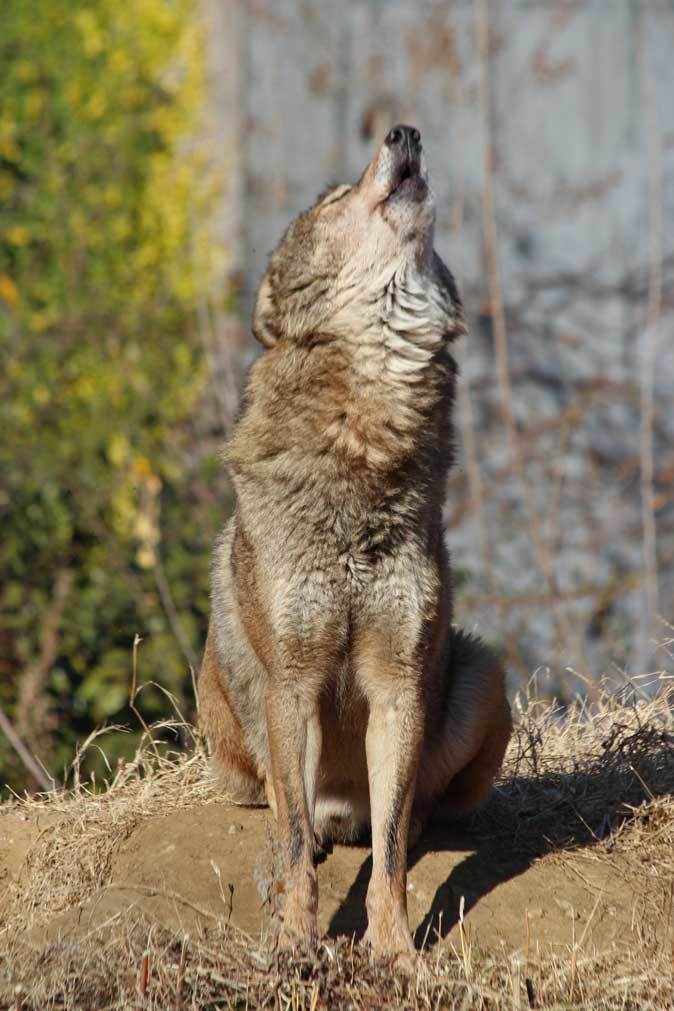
<point>559,891</point>
<point>214,861</point>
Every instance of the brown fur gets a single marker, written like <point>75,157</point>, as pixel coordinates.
<point>332,682</point>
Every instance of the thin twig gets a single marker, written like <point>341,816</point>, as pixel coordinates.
<point>24,754</point>
<point>181,974</point>
<point>134,692</point>
<point>171,613</point>
<point>647,369</point>
<point>144,975</point>
<point>164,893</point>
<point>31,704</point>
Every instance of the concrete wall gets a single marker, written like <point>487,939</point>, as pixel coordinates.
<point>549,133</point>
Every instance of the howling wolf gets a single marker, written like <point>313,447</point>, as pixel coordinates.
<point>333,685</point>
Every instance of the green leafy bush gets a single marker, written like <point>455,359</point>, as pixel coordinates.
<point>104,254</point>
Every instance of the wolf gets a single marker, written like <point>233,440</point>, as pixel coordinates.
<point>334,686</point>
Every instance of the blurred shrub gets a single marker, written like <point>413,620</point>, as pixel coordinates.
<point>104,195</point>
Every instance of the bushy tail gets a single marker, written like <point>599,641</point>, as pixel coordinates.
<point>458,770</point>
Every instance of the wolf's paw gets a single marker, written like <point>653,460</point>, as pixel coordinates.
<point>393,943</point>
<point>322,848</point>
<point>298,929</point>
<point>415,831</point>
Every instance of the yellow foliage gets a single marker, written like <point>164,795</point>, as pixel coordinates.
<point>120,227</point>
<point>41,395</point>
<point>35,103</point>
<point>96,106</point>
<point>39,321</point>
<point>141,467</point>
<point>92,37</point>
<point>84,388</point>
<point>123,510</point>
<point>118,449</point>
<point>17,234</point>
<point>25,71</point>
<point>106,249</point>
<point>73,91</point>
<point>8,290</point>
<point>54,180</point>
<point>8,130</point>
<point>119,61</point>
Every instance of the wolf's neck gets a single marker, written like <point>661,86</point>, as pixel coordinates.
<point>393,377</point>
<point>404,329</point>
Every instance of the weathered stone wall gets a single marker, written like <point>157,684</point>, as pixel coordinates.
<point>549,133</point>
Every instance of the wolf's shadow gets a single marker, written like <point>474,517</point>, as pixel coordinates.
<point>473,878</point>
<point>525,819</point>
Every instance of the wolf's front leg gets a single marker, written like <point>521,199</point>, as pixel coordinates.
<point>294,742</point>
<point>393,741</point>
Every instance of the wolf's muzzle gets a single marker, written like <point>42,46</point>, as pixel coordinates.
<point>405,144</point>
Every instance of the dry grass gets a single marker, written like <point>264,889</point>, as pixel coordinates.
<point>595,778</point>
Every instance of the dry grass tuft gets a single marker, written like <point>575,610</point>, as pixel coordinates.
<point>574,775</point>
<point>597,778</point>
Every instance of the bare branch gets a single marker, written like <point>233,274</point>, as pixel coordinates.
<point>172,615</point>
<point>31,704</point>
<point>649,340</point>
<point>30,763</point>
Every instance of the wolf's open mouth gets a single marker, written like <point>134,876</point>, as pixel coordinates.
<point>408,172</point>
<point>409,179</point>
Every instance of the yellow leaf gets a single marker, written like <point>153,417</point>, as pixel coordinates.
<point>8,290</point>
<point>118,449</point>
<point>39,321</point>
<point>141,466</point>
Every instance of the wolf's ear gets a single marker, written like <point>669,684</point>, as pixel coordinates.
<point>263,316</point>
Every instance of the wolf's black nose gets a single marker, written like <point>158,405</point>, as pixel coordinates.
<point>405,136</point>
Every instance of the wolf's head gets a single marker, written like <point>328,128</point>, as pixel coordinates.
<point>361,260</point>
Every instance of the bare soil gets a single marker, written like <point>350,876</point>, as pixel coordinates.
<point>214,861</point>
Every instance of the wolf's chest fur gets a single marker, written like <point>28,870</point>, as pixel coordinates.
<point>364,406</point>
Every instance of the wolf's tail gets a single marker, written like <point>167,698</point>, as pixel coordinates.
<point>458,769</point>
